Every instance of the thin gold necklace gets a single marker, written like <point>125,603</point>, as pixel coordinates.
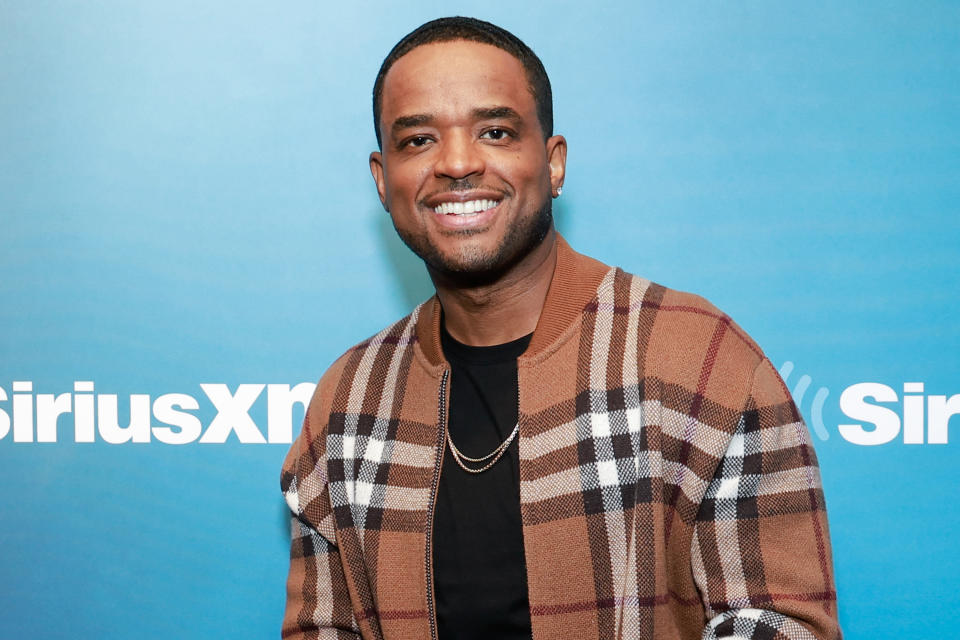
<point>496,454</point>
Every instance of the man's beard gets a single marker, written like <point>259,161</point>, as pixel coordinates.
<point>473,267</point>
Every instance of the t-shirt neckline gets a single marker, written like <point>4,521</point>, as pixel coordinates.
<point>453,349</point>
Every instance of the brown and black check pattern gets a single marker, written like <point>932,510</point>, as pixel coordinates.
<point>668,487</point>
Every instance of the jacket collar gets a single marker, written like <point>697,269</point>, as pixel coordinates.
<point>574,284</point>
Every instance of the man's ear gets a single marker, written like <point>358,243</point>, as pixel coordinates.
<point>376,170</point>
<point>557,159</point>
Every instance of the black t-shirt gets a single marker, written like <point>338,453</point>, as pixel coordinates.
<point>479,568</point>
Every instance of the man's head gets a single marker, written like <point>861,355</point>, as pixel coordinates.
<point>460,28</point>
<point>465,169</point>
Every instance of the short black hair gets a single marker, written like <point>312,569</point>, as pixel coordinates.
<point>461,28</point>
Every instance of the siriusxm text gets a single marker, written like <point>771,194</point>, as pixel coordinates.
<point>169,418</point>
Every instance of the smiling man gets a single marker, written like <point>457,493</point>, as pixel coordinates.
<point>548,447</point>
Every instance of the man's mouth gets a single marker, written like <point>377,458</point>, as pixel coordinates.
<point>470,207</point>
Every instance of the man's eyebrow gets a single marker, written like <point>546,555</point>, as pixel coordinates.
<point>496,113</point>
<point>480,113</point>
<point>417,120</point>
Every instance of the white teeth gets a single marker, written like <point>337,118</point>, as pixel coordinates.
<point>465,208</point>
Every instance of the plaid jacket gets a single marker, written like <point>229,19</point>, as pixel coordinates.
<point>668,487</point>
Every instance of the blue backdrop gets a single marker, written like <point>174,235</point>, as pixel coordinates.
<point>185,201</point>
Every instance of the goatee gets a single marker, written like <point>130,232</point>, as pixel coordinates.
<point>472,267</point>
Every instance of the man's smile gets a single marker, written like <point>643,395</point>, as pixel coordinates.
<point>475,215</point>
<point>470,207</point>
<point>473,208</point>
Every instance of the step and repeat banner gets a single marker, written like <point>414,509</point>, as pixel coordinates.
<point>189,236</point>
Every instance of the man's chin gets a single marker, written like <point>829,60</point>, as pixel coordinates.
<point>470,266</point>
<point>481,268</point>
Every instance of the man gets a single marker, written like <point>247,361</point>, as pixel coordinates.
<point>548,446</point>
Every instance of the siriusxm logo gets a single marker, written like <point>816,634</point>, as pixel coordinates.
<point>35,416</point>
<point>922,419</point>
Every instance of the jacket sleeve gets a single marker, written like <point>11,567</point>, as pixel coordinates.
<point>318,601</point>
<point>761,549</point>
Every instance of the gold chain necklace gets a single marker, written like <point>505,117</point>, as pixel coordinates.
<point>496,454</point>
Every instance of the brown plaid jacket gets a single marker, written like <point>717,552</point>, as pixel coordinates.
<point>668,487</point>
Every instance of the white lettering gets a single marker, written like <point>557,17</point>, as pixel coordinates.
<point>49,409</point>
<point>108,422</point>
<point>886,421</point>
<point>280,401</point>
<point>232,413</point>
<point>939,410</point>
<point>22,412</point>
<point>83,427</point>
<point>170,418</point>
<point>4,417</point>
<point>165,409</point>
<point>913,413</point>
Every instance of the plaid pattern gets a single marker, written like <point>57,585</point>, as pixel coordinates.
<point>668,487</point>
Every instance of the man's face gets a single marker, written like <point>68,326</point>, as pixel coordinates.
<point>465,171</point>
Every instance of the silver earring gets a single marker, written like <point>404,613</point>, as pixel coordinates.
<point>559,191</point>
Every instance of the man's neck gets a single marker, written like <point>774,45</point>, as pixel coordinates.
<point>504,310</point>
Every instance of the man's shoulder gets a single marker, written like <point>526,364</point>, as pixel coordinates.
<point>364,359</point>
<point>398,335</point>
<point>664,305</point>
<point>685,329</point>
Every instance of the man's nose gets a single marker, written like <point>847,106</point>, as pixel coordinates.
<point>459,157</point>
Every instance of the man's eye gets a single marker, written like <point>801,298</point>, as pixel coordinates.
<point>495,134</point>
<point>418,141</point>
